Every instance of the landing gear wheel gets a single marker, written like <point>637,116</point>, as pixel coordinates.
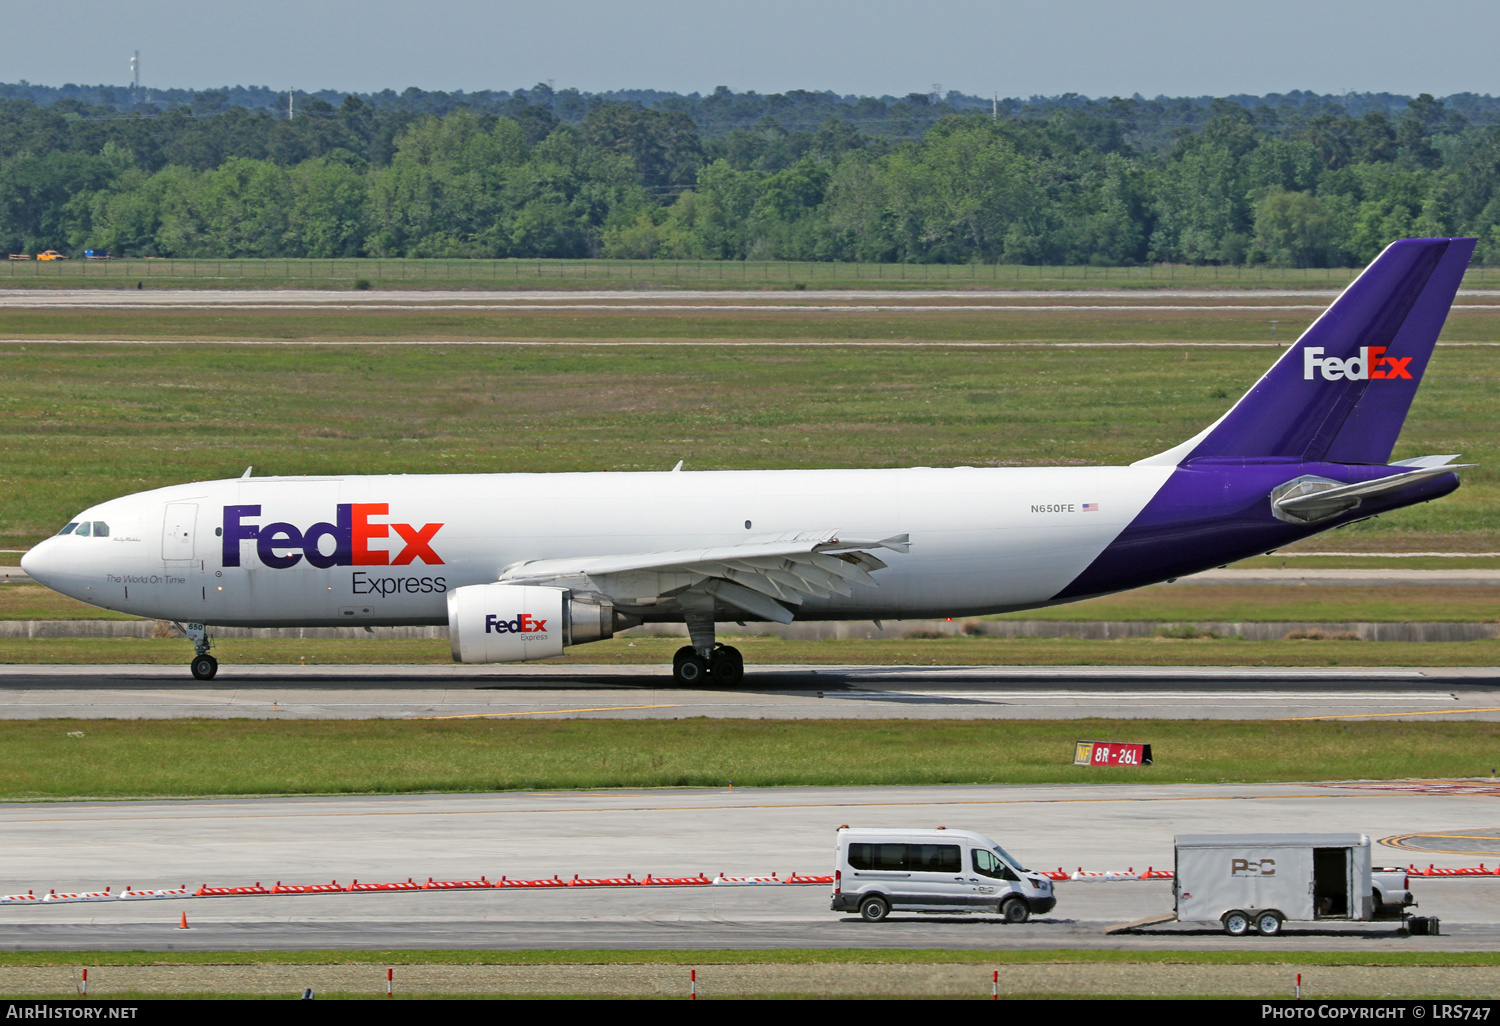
<point>874,909</point>
<point>1268,924</point>
<point>204,667</point>
<point>688,667</point>
<point>1236,923</point>
<point>1015,910</point>
<point>727,667</point>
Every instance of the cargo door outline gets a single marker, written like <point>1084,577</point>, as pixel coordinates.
<point>179,530</point>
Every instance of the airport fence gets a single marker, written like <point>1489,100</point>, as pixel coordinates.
<point>373,272</point>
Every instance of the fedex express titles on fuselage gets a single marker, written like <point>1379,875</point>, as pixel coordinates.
<point>517,565</point>
<point>345,542</point>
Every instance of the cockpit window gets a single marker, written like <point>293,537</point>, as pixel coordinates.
<point>84,530</point>
<point>69,528</point>
<point>101,529</point>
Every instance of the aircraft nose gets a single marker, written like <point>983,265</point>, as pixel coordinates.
<point>36,563</point>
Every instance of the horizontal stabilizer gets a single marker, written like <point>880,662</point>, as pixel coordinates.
<point>1308,500</point>
<point>1427,461</point>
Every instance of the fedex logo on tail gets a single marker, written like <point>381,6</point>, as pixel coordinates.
<point>282,545</point>
<point>523,624</point>
<point>1370,365</point>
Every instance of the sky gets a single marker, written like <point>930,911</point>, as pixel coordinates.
<point>869,47</point>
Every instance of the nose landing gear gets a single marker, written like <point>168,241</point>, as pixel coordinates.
<point>204,666</point>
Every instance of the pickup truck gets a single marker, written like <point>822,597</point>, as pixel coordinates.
<point>51,254</point>
<point>1390,890</point>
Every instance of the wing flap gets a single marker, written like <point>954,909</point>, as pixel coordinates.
<point>752,602</point>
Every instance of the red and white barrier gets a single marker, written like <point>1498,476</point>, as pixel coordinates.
<point>484,883</point>
<point>680,881</point>
<point>1432,870</point>
<point>1113,876</point>
<point>157,895</point>
<point>456,885</point>
<point>328,888</point>
<point>54,896</point>
<point>229,892</point>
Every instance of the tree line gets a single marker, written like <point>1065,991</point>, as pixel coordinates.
<point>1116,182</point>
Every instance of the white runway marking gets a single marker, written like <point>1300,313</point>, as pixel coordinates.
<point>1196,697</point>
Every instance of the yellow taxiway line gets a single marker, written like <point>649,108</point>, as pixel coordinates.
<point>1367,716</point>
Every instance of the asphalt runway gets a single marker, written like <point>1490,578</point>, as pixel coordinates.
<point>769,692</point>
<point>78,846</point>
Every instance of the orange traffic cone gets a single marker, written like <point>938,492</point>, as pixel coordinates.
<point>183,925</point>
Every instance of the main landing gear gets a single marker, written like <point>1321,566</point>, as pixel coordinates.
<point>706,663</point>
<point>204,666</point>
<point>724,667</point>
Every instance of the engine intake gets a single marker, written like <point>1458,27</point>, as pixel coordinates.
<point>512,623</point>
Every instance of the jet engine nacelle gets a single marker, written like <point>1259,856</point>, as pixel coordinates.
<point>511,623</point>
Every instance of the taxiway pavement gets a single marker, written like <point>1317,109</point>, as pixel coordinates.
<point>684,832</point>
<point>769,692</point>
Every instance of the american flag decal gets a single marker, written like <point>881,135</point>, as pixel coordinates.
<point>1090,507</point>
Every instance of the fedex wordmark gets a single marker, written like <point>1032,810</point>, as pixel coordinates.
<point>283,545</point>
<point>1369,365</point>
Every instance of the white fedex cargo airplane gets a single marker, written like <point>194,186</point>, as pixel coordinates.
<point>520,565</point>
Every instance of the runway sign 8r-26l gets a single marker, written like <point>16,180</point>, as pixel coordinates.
<point>1111,753</point>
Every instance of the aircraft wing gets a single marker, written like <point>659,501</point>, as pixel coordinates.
<point>762,575</point>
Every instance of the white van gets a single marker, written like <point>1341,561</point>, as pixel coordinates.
<point>950,871</point>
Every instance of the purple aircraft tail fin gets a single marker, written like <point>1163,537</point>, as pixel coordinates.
<point>1342,392</point>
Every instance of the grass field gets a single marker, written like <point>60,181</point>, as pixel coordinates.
<point>844,973</point>
<point>847,973</point>
<point>746,956</point>
<point>657,652</point>
<point>79,424</point>
<point>1394,603</point>
<point>41,760</point>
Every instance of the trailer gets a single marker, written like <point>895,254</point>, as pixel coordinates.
<point>1256,882</point>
